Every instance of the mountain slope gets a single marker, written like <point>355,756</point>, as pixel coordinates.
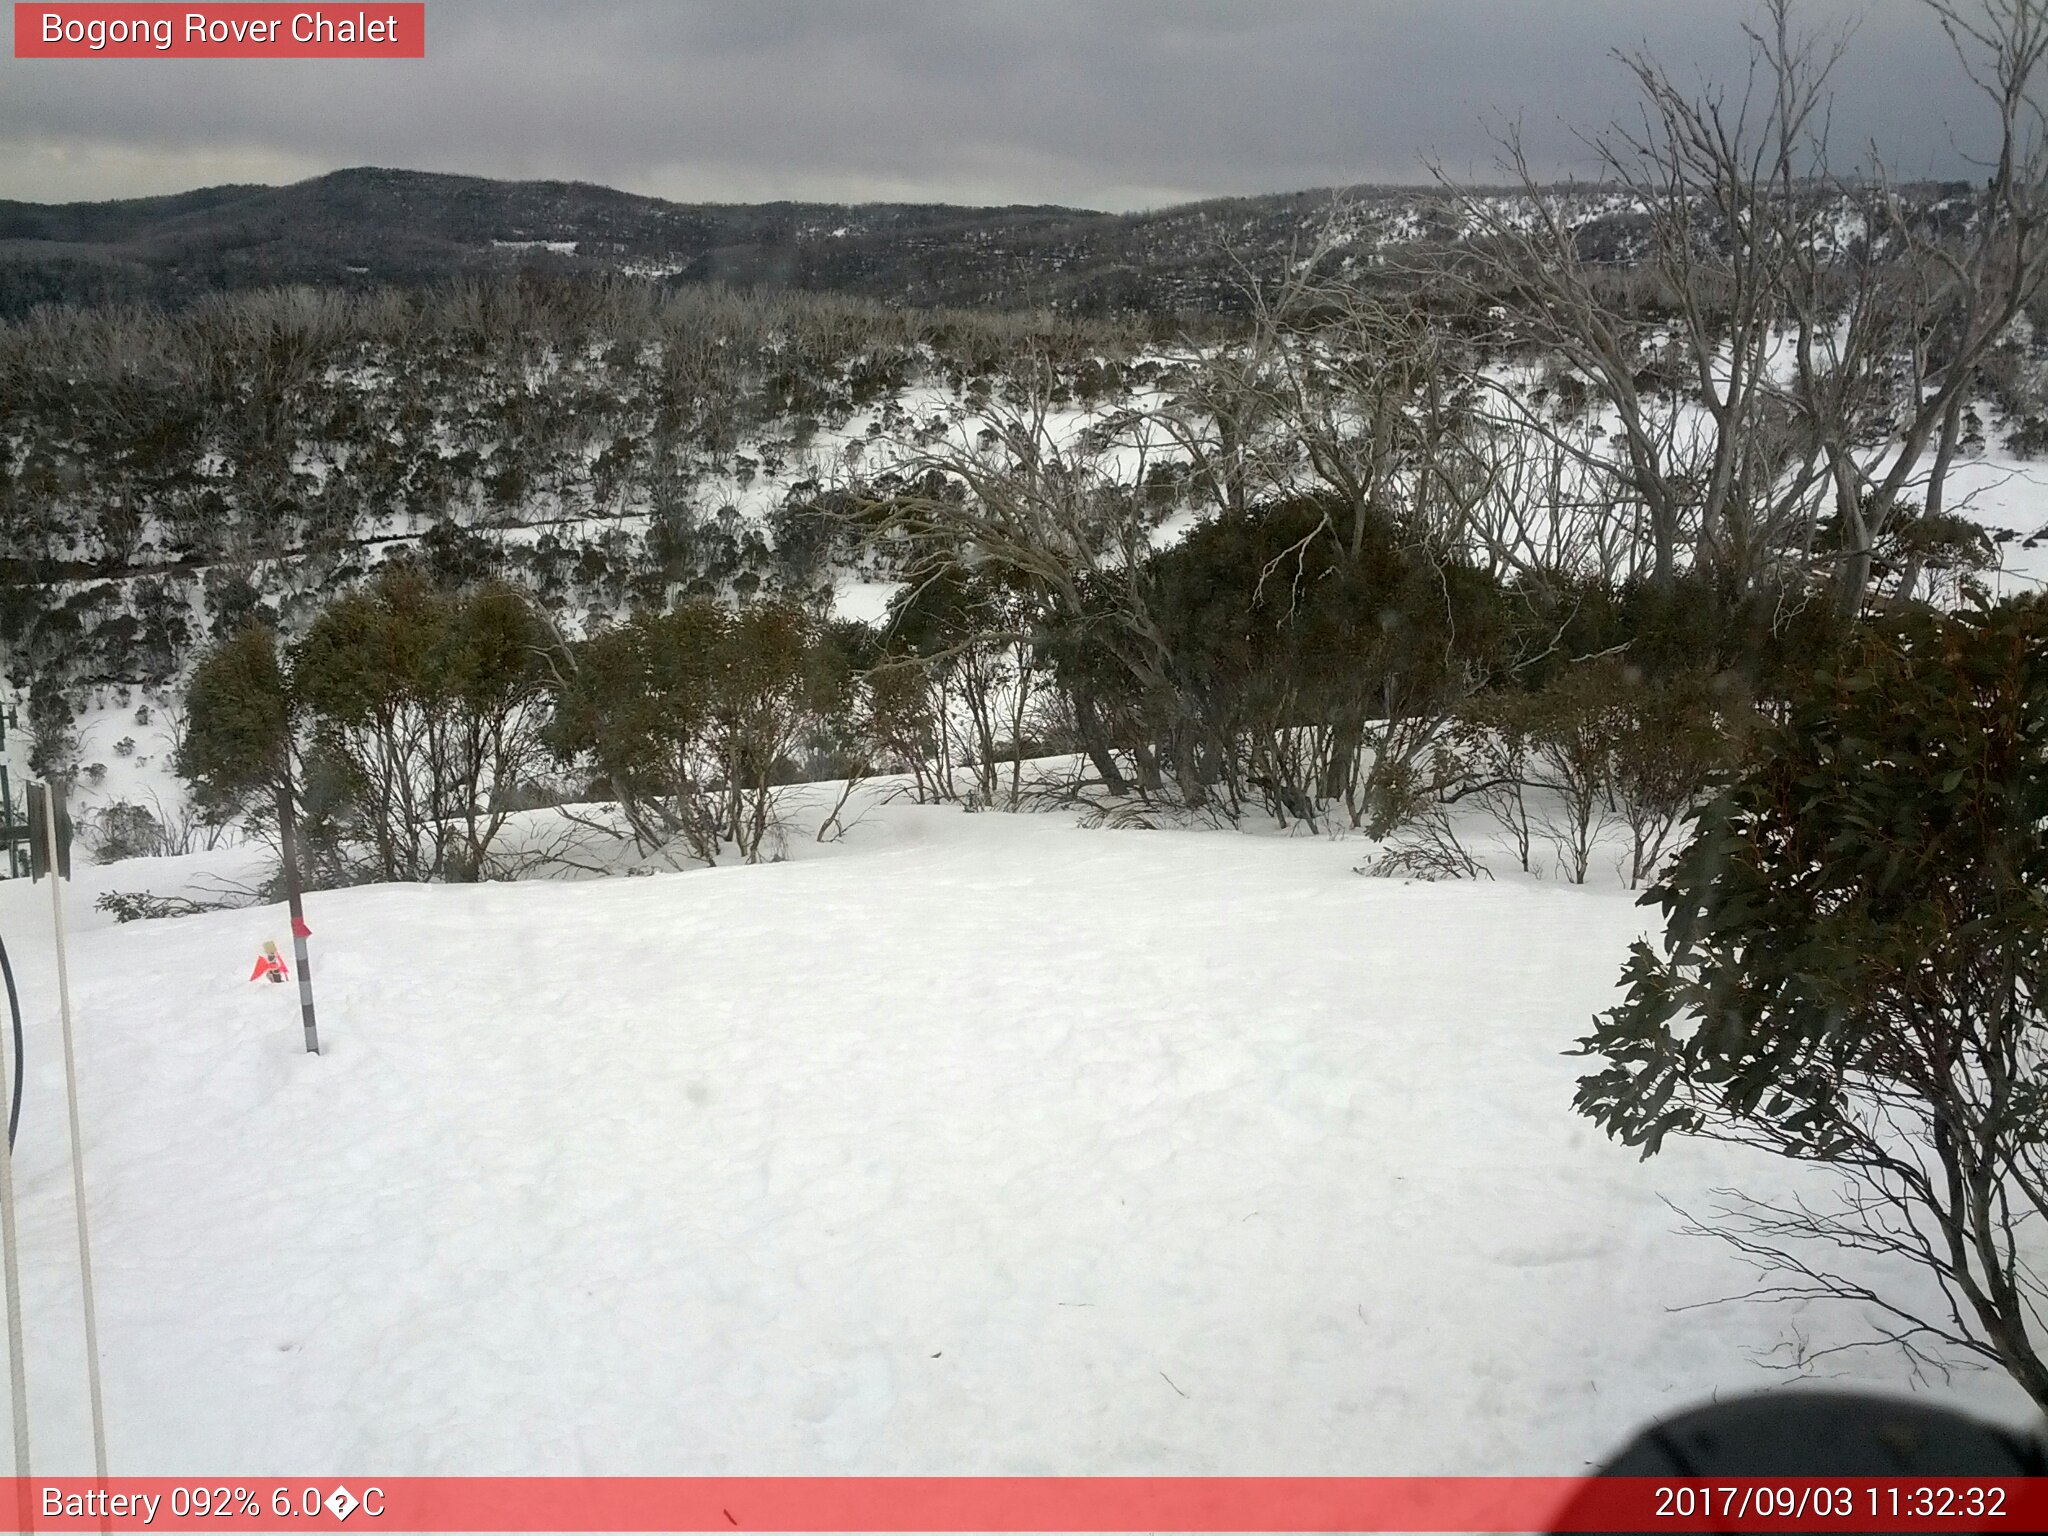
<point>366,227</point>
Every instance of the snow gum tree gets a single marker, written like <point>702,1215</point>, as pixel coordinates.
<point>1285,638</point>
<point>634,701</point>
<point>776,681</point>
<point>1853,974</point>
<point>426,711</point>
<point>239,749</point>
<point>694,718</point>
<point>969,637</point>
<point>238,724</point>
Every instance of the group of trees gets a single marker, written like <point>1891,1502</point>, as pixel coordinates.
<point>693,717</point>
<point>1852,967</point>
<point>1274,674</point>
<point>1256,665</point>
<point>1792,378</point>
<point>405,727</point>
<point>155,465</point>
<point>395,733</point>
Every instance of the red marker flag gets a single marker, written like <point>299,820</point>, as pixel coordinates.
<point>300,930</point>
<point>270,963</point>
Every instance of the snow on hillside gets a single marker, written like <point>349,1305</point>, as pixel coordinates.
<point>2010,497</point>
<point>553,247</point>
<point>967,1144</point>
<point>127,749</point>
<point>866,601</point>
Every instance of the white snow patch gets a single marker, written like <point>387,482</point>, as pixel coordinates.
<point>866,601</point>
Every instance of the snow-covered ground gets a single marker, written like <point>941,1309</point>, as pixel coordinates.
<point>964,1144</point>
<point>2010,496</point>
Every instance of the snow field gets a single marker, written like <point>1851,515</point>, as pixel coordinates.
<point>968,1144</point>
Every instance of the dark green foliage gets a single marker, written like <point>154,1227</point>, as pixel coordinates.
<point>1671,740</point>
<point>693,717</point>
<point>1767,638</point>
<point>1855,960</point>
<point>897,722</point>
<point>369,651</point>
<point>52,730</point>
<point>1599,743</point>
<point>407,719</point>
<point>1293,632</point>
<point>425,709</point>
<point>163,630</point>
<point>636,701</point>
<point>1876,871</point>
<point>1951,551</point>
<point>1287,598</point>
<point>810,534</point>
<point>453,556</point>
<point>233,603</point>
<point>970,638</point>
<point>238,721</point>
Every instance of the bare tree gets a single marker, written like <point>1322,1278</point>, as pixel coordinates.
<point>1061,512</point>
<point>1895,361</point>
<point>1361,398</point>
<point>1816,336</point>
<point>1713,197</point>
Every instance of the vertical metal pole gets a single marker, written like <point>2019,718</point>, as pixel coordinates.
<point>92,1326</point>
<point>17,1345</point>
<point>7,790</point>
<point>17,1357</point>
<point>288,840</point>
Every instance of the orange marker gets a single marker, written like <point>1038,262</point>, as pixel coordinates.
<point>270,963</point>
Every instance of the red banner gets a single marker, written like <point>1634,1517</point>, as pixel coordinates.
<point>264,31</point>
<point>1061,1504</point>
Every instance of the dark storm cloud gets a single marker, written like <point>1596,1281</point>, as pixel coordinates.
<point>1119,103</point>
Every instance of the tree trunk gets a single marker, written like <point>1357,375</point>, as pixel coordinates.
<point>1852,579</point>
<point>1094,742</point>
<point>1347,737</point>
<point>1147,760</point>
<point>1187,774</point>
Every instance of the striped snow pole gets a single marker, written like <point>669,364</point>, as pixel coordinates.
<point>288,839</point>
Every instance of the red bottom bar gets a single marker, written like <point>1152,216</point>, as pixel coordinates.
<point>1112,1504</point>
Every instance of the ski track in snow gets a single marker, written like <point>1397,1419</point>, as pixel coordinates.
<point>971,1144</point>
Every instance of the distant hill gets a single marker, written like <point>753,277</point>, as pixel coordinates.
<point>370,228</point>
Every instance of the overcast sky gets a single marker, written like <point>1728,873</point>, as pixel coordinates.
<point>1109,103</point>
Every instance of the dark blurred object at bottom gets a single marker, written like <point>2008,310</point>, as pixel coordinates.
<point>1822,1434</point>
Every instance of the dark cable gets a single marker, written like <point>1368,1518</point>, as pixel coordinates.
<point>14,1007</point>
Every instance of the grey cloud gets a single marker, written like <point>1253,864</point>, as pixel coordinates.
<point>1117,103</point>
